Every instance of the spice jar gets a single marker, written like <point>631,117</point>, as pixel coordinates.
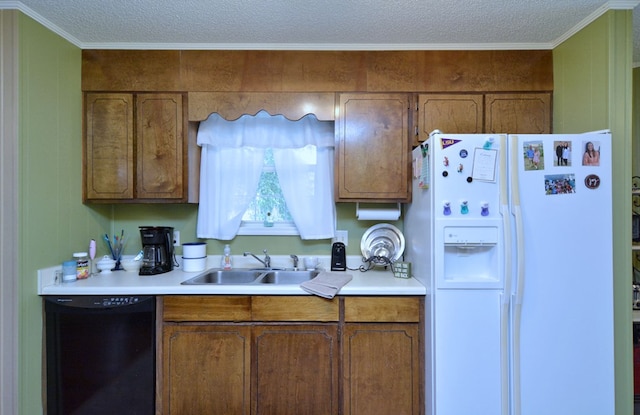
<point>69,271</point>
<point>82,265</point>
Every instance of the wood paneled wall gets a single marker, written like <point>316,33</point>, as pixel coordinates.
<point>317,71</point>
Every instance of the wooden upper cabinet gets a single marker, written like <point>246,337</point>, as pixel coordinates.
<point>160,146</point>
<point>108,160</point>
<point>524,113</point>
<point>450,113</point>
<point>409,71</point>
<point>233,105</point>
<point>135,146</point>
<point>372,148</point>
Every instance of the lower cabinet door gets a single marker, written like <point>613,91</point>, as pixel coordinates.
<point>381,369</point>
<point>206,369</point>
<point>296,369</point>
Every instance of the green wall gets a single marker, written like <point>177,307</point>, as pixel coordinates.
<point>53,223</point>
<point>635,124</point>
<point>592,91</point>
<point>184,218</point>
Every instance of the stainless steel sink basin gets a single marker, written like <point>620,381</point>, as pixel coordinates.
<point>225,277</point>
<point>287,277</point>
<point>251,276</point>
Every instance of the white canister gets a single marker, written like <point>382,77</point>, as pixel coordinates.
<point>311,262</point>
<point>194,250</point>
<point>194,264</point>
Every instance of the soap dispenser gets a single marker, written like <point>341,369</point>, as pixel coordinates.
<point>225,263</point>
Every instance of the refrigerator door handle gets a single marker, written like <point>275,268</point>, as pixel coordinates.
<point>519,277</point>
<point>517,214</point>
<point>506,221</point>
<point>506,294</point>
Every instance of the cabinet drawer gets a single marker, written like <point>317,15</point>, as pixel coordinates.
<point>294,308</point>
<point>206,308</point>
<point>382,309</point>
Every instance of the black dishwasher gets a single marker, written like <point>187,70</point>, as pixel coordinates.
<point>100,355</point>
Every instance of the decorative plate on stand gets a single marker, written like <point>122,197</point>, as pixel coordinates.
<point>382,244</point>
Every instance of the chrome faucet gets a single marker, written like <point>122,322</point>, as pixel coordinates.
<point>295,262</point>
<point>267,259</point>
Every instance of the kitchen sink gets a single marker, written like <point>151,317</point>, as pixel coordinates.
<point>287,277</point>
<point>251,276</point>
<point>225,277</point>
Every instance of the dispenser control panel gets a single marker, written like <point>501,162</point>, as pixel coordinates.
<point>466,235</point>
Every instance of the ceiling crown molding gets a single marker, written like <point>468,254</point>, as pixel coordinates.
<point>18,5</point>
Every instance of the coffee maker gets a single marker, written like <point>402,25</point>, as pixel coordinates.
<point>157,249</point>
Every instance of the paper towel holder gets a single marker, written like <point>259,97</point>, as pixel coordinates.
<point>378,213</point>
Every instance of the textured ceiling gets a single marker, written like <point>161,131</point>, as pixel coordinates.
<point>320,24</point>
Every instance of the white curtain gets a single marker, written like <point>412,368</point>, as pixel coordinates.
<point>231,165</point>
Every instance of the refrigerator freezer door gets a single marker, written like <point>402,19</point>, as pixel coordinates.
<point>468,366</point>
<point>468,214</point>
<point>563,306</point>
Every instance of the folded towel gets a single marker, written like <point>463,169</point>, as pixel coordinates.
<point>326,284</point>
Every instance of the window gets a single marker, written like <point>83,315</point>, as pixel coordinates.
<point>268,213</point>
<point>264,165</point>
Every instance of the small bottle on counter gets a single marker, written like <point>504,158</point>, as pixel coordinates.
<point>268,222</point>
<point>82,265</point>
<point>225,263</point>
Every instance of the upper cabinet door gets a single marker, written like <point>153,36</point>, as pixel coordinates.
<point>372,148</point>
<point>144,164</point>
<point>109,146</point>
<point>449,113</point>
<point>160,146</point>
<point>525,113</point>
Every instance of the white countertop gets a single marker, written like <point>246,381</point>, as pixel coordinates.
<point>373,282</point>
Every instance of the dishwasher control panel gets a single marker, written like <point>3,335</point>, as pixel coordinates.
<point>111,301</point>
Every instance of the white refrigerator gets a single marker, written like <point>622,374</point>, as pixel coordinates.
<point>512,236</point>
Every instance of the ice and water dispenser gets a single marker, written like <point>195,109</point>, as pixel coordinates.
<point>470,256</point>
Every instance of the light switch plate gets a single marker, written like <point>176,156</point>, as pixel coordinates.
<point>341,236</point>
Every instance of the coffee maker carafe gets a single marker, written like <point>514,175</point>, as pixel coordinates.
<point>157,249</point>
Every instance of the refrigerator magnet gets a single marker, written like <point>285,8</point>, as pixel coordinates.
<point>559,184</point>
<point>533,155</point>
<point>592,181</point>
<point>484,165</point>
<point>562,153</point>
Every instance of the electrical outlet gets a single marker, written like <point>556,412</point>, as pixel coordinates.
<point>341,236</point>
<point>176,238</point>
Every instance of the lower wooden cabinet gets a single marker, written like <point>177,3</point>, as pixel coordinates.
<point>230,355</point>
<point>381,369</point>
<point>206,369</point>
<point>296,369</point>
<point>383,356</point>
